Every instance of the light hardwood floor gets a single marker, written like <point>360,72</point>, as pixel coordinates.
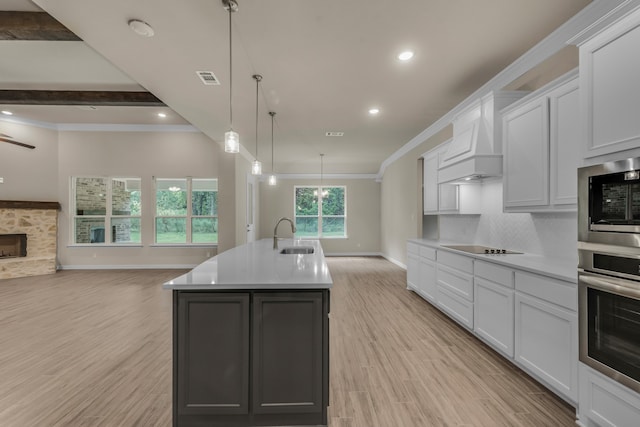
<point>93,348</point>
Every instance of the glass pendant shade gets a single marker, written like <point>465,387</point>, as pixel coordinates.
<point>231,142</point>
<point>273,180</point>
<point>256,167</point>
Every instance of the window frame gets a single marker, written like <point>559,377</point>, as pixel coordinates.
<point>320,216</point>
<point>188,216</point>
<point>108,216</point>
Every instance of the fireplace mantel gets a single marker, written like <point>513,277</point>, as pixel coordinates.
<point>19,204</point>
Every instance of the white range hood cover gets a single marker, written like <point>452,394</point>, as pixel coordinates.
<point>475,152</point>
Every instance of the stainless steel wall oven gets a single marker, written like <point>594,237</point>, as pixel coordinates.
<point>609,269</point>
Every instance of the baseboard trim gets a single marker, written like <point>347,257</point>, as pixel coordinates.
<point>394,261</point>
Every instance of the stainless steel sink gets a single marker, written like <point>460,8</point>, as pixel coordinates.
<point>293,250</point>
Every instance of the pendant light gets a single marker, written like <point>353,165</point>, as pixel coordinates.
<point>272,178</point>
<point>323,193</point>
<point>231,138</point>
<point>256,166</point>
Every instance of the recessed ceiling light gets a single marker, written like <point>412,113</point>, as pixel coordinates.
<point>141,28</point>
<point>162,115</point>
<point>374,111</point>
<point>405,56</point>
<point>7,113</point>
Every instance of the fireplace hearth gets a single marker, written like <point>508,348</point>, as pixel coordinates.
<point>13,245</point>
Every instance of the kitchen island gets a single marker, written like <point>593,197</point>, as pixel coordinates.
<point>251,337</point>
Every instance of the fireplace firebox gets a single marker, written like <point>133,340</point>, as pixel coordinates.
<point>13,245</point>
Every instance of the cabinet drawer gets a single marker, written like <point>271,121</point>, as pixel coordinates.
<point>605,401</point>
<point>456,281</point>
<point>428,253</point>
<point>413,248</point>
<point>458,308</point>
<point>500,275</point>
<point>558,292</point>
<point>459,262</point>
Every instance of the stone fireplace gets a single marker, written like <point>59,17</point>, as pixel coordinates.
<point>35,223</point>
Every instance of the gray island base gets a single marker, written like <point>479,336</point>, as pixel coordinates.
<point>251,338</point>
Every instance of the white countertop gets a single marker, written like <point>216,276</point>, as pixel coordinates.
<point>553,267</point>
<point>258,266</point>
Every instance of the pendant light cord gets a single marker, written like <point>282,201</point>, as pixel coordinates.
<point>230,71</point>
<point>273,168</point>
<point>258,78</point>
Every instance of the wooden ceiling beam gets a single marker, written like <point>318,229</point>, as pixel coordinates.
<point>33,26</point>
<point>73,97</point>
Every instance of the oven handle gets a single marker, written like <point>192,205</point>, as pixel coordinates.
<point>627,288</point>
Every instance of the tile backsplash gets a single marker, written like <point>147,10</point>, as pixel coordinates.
<point>549,234</point>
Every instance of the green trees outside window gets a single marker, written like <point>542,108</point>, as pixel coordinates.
<point>186,210</point>
<point>320,211</point>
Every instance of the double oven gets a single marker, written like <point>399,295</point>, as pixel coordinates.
<point>609,269</point>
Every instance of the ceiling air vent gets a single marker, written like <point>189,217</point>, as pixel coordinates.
<point>334,134</point>
<point>208,78</point>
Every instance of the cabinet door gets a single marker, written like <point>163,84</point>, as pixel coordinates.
<point>604,402</point>
<point>493,315</point>
<point>287,353</point>
<point>430,183</point>
<point>448,198</point>
<point>609,69</point>
<point>564,143</point>
<point>546,344</point>
<point>526,155</point>
<point>428,279</point>
<point>213,353</point>
<point>413,272</point>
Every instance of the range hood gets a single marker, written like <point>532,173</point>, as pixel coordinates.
<point>475,153</point>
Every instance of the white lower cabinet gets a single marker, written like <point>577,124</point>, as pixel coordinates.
<point>529,318</point>
<point>413,265</point>
<point>458,308</point>
<point>546,343</point>
<point>604,402</point>
<point>428,279</point>
<point>455,286</point>
<point>493,306</point>
<point>421,271</point>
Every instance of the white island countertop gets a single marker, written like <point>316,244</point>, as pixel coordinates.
<point>258,266</point>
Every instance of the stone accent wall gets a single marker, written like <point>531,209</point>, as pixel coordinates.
<point>41,228</point>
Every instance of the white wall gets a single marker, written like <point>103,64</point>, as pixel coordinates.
<point>131,154</point>
<point>30,175</point>
<point>44,174</point>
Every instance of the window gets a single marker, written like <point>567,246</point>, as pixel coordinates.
<point>186,210</point>
<point>107,210</point>
<point>321,216</point>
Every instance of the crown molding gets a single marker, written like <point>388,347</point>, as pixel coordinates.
<point>288,176</point>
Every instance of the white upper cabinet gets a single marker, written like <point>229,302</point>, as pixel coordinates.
<point>430,183</point>
<point>526,155</point>
<point>564,143</point>
<point>445,198</point>
<point>541,149</point>
<point>609,70</point>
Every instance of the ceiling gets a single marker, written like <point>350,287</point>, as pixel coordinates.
<point>324,65</point>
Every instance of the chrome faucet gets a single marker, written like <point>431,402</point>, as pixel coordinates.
<point>275,230</point>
